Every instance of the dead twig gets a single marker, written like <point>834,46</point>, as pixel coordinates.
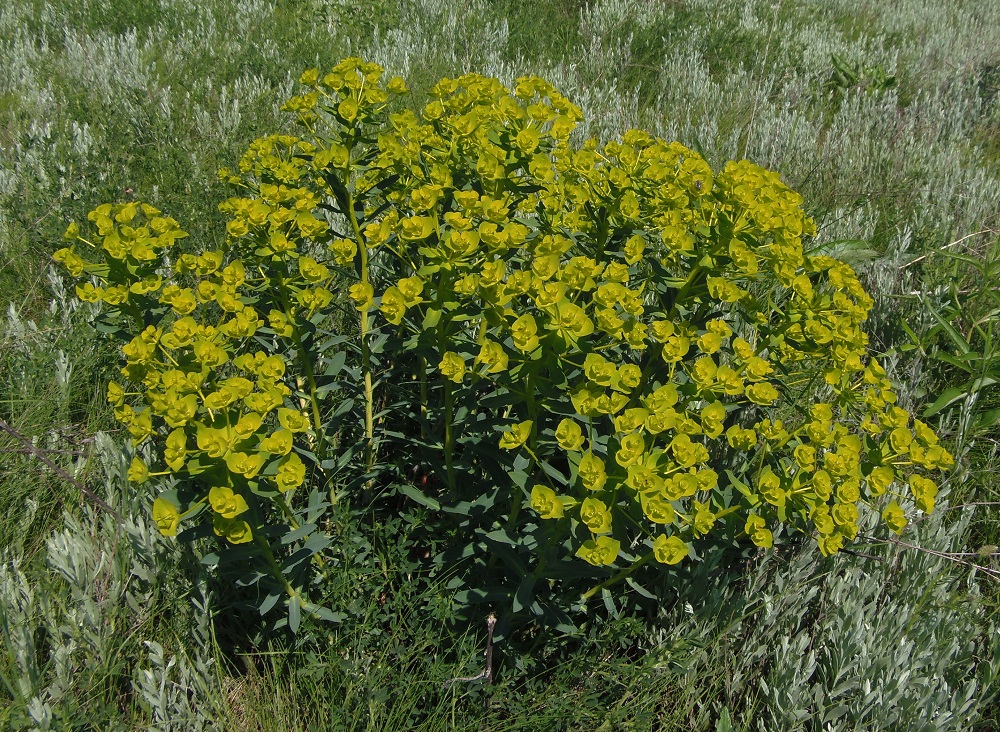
<point>855,553</point>
<point>950,556</point>
<point>25,451</point>
<point>40,454</point>
<point>955,507</point>
<point>487,673</point>
<point>947,246</point>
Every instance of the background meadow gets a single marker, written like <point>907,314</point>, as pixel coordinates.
<point>884,115</point>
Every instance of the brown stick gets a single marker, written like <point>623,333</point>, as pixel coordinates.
<point>950,556</point>
<point>487,673</point>
<point>40,454</point>
<point>947,246</point>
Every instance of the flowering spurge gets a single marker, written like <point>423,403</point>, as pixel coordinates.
<point>669,359</point>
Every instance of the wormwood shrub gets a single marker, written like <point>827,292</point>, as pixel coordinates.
<point>612,353</point>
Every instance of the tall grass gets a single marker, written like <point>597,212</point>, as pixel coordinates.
<point>108,99</point>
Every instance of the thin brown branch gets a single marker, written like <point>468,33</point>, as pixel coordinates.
<point>955,507</point>
<point>955,557</point>
<point>487,672</point>
<point>40,454</point>
<point>25,451</point>
<point>947,246</point>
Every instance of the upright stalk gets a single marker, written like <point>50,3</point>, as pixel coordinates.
<point>275,568</point>
<point>449,438</point>
<point>366,366</point>
<point>423,398</point>
<point>307,367</point>
<point>311,382</point>
<point>449,394</point>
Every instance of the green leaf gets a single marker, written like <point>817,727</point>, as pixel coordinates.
<point>414,494</point>
<point>295,535</point>
<point>501,536</point>
<point>913,336</point>
<point>294,614</point>
<point>335,363</point>
<point>743,488</point>
<point>960,362</point>
<point>471,597</point>
<point>431,318</point>
<point>196,466</point>
<point>525,594</point>
<point>326,614</point>
<point>957,338</point>
<point>609,602</point>
<point>973,262</point>
<point>316,543</point>
<point>724,723</point>
<point>640,589</point>
<point>852,251</point>
<point>947,397</point>
<point>269,602</point>
<point>986,419</point>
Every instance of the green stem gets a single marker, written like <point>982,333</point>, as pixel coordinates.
<point>616,578</point>
<point>292,593</point>
<point>313,398</point>
<point>529,395</point>
<point>275,568</point>
<point>449,396</point>
<point>365,350</point>
<point>515,510</point>
<point>307,368</point>
<point>423,398</point>
<point>283,505</point>
<point>682,293</point>
<point>531,447</point>
<point>449,438</point>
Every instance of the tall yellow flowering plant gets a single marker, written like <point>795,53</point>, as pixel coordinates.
<point>612,351</point>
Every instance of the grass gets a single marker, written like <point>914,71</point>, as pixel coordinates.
<point>106,99</point>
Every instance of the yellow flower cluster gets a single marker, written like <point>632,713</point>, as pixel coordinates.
<point>636,268</point>
<point>215,404</point>
<point>690,243</point>
<point>655,325</point>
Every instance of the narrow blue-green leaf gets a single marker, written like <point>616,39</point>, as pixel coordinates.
<point>609,602</point>
<point>525,594</point>
<point>316,543</point>
<point>957,338</point>
<point>948,397</point>
<point>296,534</point>
<point>269,602</point>
<point>640,589</point>
<point>335,363</point>
<point>326,614</point>
<point>294,614</point>
<point>501,536</point>
<point>414,494</point>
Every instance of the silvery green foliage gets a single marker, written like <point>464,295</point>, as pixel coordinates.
<point>19,611</point>
<point>895,641</point>
<point>24,336</point>
<point>102,587</point>
<point>180,691</point>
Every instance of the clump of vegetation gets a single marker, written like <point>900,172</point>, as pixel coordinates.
<point>106,625</point>
<point>634,347</point>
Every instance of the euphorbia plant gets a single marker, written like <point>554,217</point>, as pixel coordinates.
<point>613,352</point>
